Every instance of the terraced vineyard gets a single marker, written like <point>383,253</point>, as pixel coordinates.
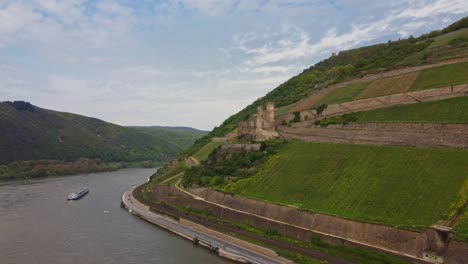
<point>447,75</point>
<point>441,76</point>
<point>390,85</point>
<point>403,187</point>
<point>449,111</point>
<point>343,95</point>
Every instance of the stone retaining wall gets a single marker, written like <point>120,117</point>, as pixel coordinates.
<point>334,230</point>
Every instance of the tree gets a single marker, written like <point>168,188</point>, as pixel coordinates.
<point>319,109</point>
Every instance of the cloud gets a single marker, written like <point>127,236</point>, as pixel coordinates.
<point>184,62</point>
<point>297,44</point>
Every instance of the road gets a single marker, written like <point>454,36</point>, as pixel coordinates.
<point>214,243</point>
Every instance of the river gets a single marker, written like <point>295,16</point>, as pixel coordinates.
<point>38,224</point>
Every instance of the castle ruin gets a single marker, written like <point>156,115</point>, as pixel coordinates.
<point>264,126</point>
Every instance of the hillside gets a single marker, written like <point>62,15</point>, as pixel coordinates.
<point>440,45</point>
<point>365,183</point>
<point>182,137</point>
<point>29,132</point>
<point>382,163</point>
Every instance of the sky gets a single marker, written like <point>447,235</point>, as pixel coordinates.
<point>185,62</point>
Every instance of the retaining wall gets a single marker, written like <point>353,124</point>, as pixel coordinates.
<point>334,230</point>
<point>410,135</point>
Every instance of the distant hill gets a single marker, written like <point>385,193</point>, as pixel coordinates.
<point>28,132</point>
<point>174,128</point>
<point>182,137</point>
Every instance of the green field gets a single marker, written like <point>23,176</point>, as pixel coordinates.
<point>403,187</point>
<point>344,94</point>
<point>450,111</point>
<point>203,153</point>
<point>441,76</point>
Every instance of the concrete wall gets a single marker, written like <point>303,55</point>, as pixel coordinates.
<point>412,135</point>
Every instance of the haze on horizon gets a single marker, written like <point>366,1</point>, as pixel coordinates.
<point>185,62</point>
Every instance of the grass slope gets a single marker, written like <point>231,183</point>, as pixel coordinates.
<point>203,153</point>
<point>449,111</point>
<point>390,85</point>
<point>461,229</point>
<point>344,94</point>
<point>441,76</point>
<point>30,133</point>
<point>406,187</point>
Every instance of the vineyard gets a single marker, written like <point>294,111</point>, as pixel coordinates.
<point>449,111</point>
<point>404,187</point>
<point>447,75</point>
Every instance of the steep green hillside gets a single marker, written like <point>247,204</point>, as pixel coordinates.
<point>28,132</point>
<point>405,187</point>
<point>356,63</point>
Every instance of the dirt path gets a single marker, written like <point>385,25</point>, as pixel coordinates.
<point>171,178</point>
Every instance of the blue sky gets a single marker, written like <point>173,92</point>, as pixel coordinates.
<point>185,62</point>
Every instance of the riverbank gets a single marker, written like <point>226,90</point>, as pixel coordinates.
<point>224,245</point>
<point>46,168</point>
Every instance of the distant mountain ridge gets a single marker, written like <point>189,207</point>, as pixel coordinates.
<point>28,132</point>
<point>174,128</point>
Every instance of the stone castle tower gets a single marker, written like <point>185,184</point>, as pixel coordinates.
<point>264,126</point>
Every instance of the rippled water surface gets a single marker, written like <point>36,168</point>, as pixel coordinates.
<point>38,224</point>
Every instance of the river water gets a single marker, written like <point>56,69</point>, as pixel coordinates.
<point>38,224</point>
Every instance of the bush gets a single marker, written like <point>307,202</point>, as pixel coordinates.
<point>297,117</point>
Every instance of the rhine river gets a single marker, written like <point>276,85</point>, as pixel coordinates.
<point>38,224</point>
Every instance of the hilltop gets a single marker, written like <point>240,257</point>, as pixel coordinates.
<point>28,132</point>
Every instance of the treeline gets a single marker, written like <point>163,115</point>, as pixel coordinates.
<point>44,168</point>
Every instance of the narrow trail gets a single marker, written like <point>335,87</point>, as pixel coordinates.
<point>171,178</point>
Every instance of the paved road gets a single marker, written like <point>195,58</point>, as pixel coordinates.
<point>136,207</point>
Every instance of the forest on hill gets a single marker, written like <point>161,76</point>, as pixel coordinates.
<point>29,133</point>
